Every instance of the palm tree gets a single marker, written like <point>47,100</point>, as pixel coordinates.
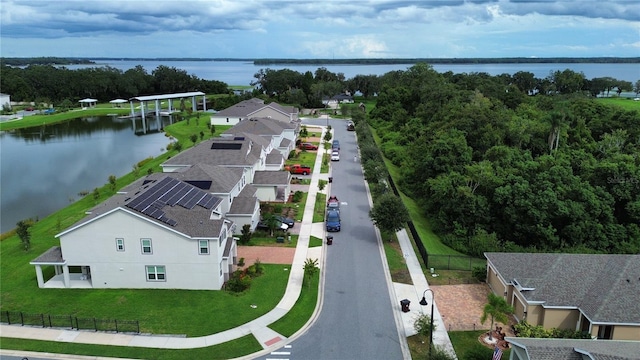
<point>498,309</point>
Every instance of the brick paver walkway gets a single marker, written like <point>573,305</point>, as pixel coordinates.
<point>266,254</point>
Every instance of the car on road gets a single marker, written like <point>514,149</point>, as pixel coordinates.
<point>285,220</point>
<point>335,145</point>
<point>333,203</point>
<point>333,220</point>
<point>308,146</point>
<point>335,156</point>
<point>351,126</point>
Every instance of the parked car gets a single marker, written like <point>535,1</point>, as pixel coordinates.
<point>335,145</point>
<point>29,108</point>
<point>333,220</point>
<point>308,146</point>
<point>262,225</point>
<point>351,126</point>
<point>333,202</point>
<point>335,156</point>
<point>285,220</point>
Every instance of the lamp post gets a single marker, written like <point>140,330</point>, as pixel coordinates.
<point>424,302</point>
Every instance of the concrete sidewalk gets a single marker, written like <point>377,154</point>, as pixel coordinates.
<point>268,338</point>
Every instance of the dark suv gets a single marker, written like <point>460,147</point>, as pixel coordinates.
<point>335,145</point>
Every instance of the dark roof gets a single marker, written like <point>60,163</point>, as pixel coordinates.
<point>572,349</point>
<point>223,179</point>
<point>271,178</point>
<point>51,256</point>
<point>243,205</point>
<point>604,287</point>
<point>261,126</point>
<point>144,194</point>
<point>274,158</point>
<point>246,108</point>
<point>203,153</point>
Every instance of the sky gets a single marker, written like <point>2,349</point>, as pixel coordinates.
<point>319,29</point>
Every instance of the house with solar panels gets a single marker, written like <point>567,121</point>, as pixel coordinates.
<point>157,233</point>
<point>254,108</point>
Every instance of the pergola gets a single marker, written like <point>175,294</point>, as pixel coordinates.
<point>118,102</point>
<point>158,105</point>
<point>88,102</point>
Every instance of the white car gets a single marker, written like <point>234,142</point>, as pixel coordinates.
<point>335,156</point>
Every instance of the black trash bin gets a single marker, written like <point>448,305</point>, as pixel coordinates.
<point>329,240</point>
<point>330,179</point>
<point>405,305</point>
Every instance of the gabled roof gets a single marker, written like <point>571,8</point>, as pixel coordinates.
<point>275,158</point>
<point>604,287</point>
<point>221,179</point>
<point>246,108</point>
<point>222,151</point>
<point>166,202</point>
<point>574,349</point>
<point>261,126</point>
<point>243,205</point>
<point>271,178</point>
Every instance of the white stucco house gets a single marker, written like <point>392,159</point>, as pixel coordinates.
<point>254,108</point>
<point>281,135</point>
<point>5,100</point>
<point>158,233</point>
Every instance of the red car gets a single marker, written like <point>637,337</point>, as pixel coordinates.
<point>308,146</point>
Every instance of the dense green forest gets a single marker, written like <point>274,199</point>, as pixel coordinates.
<point>43,61</point>
<point>56,84</point>
<point>516,60</point>
<point>496,168</point>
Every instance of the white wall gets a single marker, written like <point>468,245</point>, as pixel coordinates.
<point>94,245</point>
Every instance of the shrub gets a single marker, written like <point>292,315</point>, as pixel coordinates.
<point>241,261</point>
<point>297,196</point>
<point>238,282</point>
<point>479,273</point>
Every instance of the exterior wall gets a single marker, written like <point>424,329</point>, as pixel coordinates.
<point>535,315</point>
<point>622,332</point>
<point>223,120</point>
<point>5,100</point>
<point>519,308</point>
<point>495,283</point>
<point>561,318</point>
<point>266,193</point>
<point>94,245</point>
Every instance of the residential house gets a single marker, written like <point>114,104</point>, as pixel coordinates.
<point>584,292</point>
<point>281,135</point>
<point>572,349</point>
<point>157,233</point>
<point>5,100</point>
<point>344,98</point>
<point>254,108</point>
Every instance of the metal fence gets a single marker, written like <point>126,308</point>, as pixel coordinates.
<point>70,322</point>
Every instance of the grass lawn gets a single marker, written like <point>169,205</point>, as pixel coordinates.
<point>319,208</point>
<point>627,104</point>
<point>39,120</point>
<point>397,264</point>
<point>243,346</point>
<point>271,241</point>
<point>307,158</point>
<point>302,310</point>
<point>314,241</point>
<point>465,342</point>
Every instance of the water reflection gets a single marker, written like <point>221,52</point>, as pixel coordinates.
<point>44,169</point>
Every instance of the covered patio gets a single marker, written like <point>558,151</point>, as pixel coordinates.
<point>63,278</point>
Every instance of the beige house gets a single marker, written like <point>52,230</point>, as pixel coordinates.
<point>594,293</point>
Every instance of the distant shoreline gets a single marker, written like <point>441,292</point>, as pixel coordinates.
<point>364,61</point>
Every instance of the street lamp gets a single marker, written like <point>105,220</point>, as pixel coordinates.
<point>424,302</point>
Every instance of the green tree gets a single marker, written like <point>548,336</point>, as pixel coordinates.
<point>422,325</point>
<point>310,269</point>
<point>193,138</point>
<point>112,182</point>
<point>496,309</point>
<point>245,235</point>
<point>24,233</point>
<point>388,213</point>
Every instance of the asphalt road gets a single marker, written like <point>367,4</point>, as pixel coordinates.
<point>356,320</point>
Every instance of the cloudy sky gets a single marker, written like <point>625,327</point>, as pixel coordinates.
<point>320,28</point>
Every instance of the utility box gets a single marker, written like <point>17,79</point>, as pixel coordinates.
<point>404,304</point>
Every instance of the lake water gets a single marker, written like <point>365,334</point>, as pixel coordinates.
<point>43,169</point>
<point>241,72</point>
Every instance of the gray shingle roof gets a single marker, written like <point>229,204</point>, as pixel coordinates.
<point>274,158</point>
<point>572,349</point>
<point>204,154</point>
<point>51,256</point>
<point>223,180</point>
<point>271,178</point>
<point>261,126</point>
<point>243,205</point>
<point>604,287</point>
<point>242,109</point>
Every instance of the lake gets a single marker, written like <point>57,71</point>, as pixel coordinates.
<point>241,72</point>
<point>44,169</point>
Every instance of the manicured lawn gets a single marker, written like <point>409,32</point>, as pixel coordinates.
<point>301,312</point>
<point>319,207</point>
<point>467,341</point>
<point>243,346</point>
<point>397,264</point>
<point>307,158</point>
<point>627,104</point>
<point>39,120</point>
<point>271,241</point>
<point>314,241</point>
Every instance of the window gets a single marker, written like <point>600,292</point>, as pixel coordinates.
<point>120,244</point>
<point>146,246</point>
<point>156,273</point>
<point>605,332</point>
<point>204,247</point>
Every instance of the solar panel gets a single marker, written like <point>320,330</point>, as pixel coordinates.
<point>226,146</point>
<point>209,201</point>
<point>200,184</point>
<point>193,200</point>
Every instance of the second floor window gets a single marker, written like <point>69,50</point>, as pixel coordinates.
<point>120,244</point>
<point>146,246</point>
<point>204,247</point>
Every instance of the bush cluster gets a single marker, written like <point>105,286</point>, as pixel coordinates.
<point>240,280</point>
<point>524,329</point>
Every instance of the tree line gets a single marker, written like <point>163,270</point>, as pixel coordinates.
<point>56,84</point>
<point>497,167</point>
<point>400,61</point>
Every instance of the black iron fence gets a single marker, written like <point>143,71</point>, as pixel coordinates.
<point>440,262</point>
<point>70,322</point>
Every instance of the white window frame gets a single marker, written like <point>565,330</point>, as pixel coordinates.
<point>119,244</point>
<point>206,247</point>
<point>158,272</point>
<point>142,247</point>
